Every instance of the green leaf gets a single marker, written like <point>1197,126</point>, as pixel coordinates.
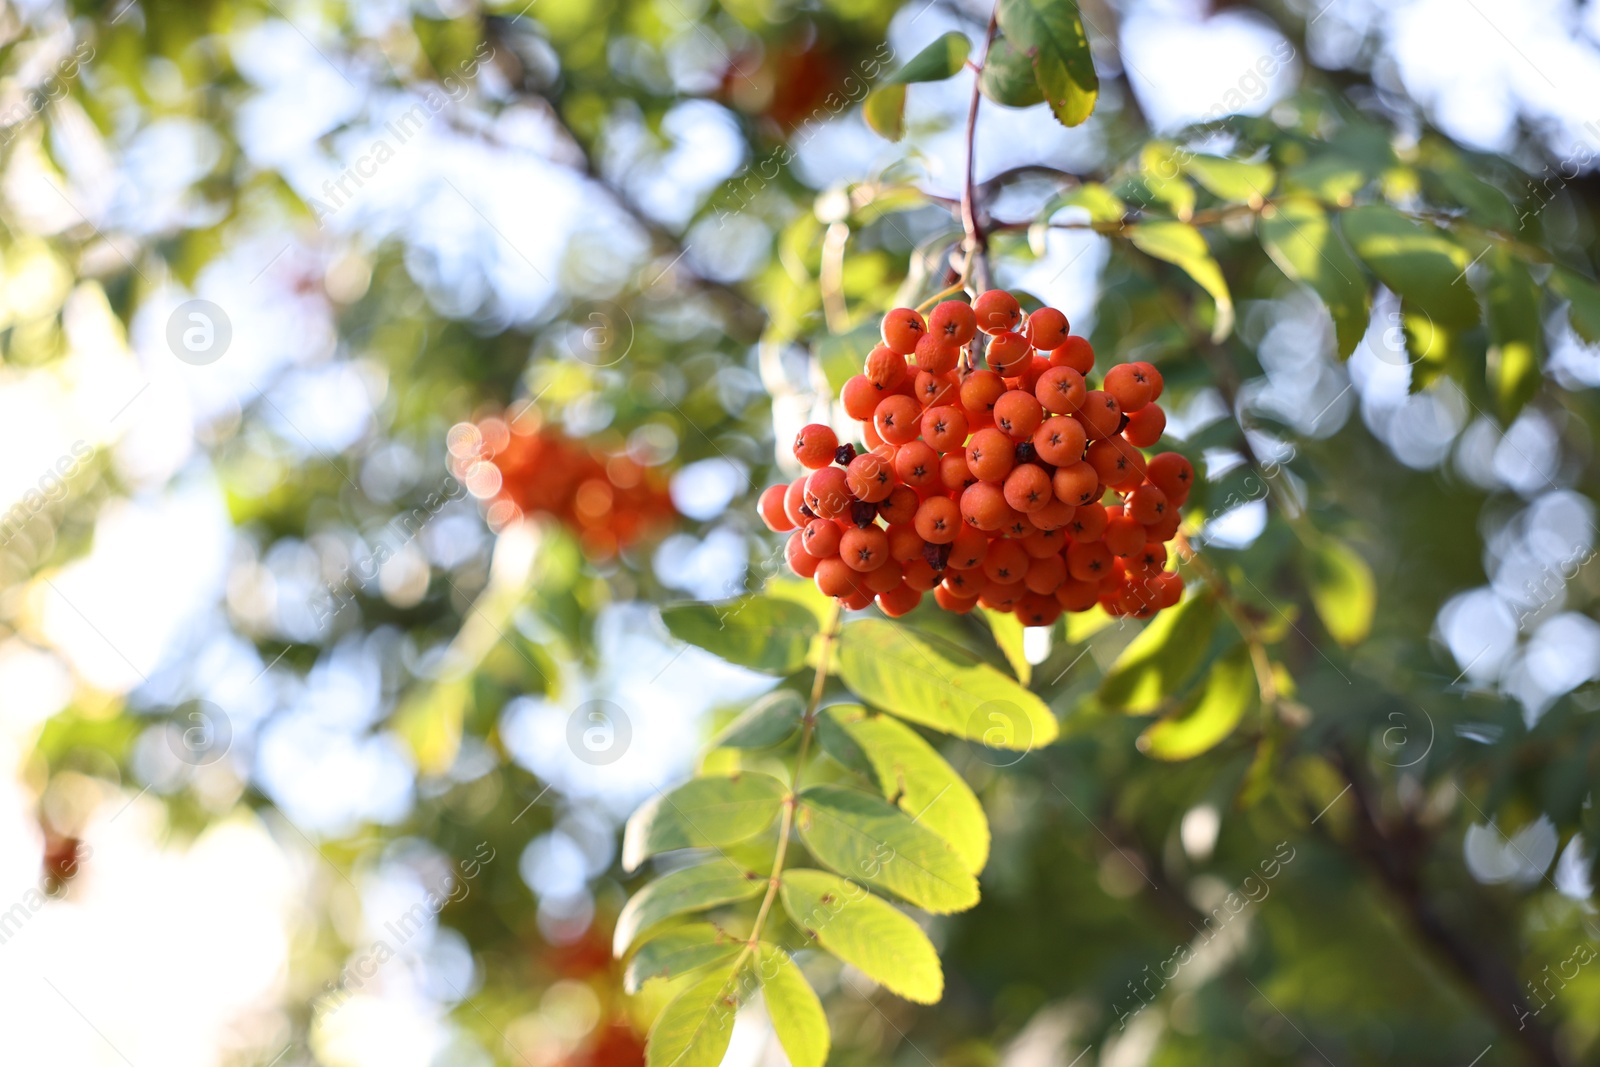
<point>864,931</point>
<point>1211,716</point>
<point>897,672</point>
<point>1583,301</point>
<point>1232,180</point>
<point>885,107</point>
<point>1342,590</point>
<point>694,1028</point>
<point>1052,33</point>
<point>841,356</point>
<point>772,719</point>
<point>1516,334</point>
<point>1007,630</point>
<point>838,744</point>
<point>861,836</point>
<point>1331,178</point>
<point>679,951</point>
<point>691,889</point>
<point>1184,246</point>
<point>1007,76</point>
<point>1162,657</point>
<point>792,1005</point>
<point>1298,236</point>
<point>885,111</point>
<point>703,812</point>
<point>755,631</point>
<point>918,779</point>
<point>1418,261</point>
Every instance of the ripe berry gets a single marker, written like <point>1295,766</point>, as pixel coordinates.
<point>814,446</point>
<point>822,537</point>
<point>1088,561</point>
<point>828,494</point>
<point>884,577</point>
<point>1124,535</point>
<point>997,311</point>
<point>794,498</point>
<point>1044,543</point>
<point>859,398</point>
<point>954,321</point>
<point>954,474</point>
<point>904,542</point>
<point>1154,376</point>
<point>936,354</point>
<point>1075,352</point>
<point>917,464</point>
<point>1167,528</point>
<point>1075,595</point>
<point>1169,589</point>
<point>1060,390</point>
<point>1008,354</point>
<point>900,505</point>
<point>991,455</point>
<point>951,602</point>
<point>1100,415</point>
<point>858,600</point>
<point>1088,523</point>
<point>895,419</point>
<point>1053,516</point>
<point>1006,562</point>
<point>884,368</point>
<point>919,574</point>
<point>1148,505</point>
<point>1129,385</point>
<point>1017,414</point>
<point>944,428</point>
<point>901,600</point>
<point>870,477</point>
<point>1036,610</point>
<point>1173,475</point>
<point>770,506</point>
<point>1118,463</point>
<point>800,561</point>
<point>1027,488</point>
<point>965,583</point>
<point>1046,575</point>
<point>1077,484</point>
<point>864,548</point>
<point>835,578</point>
<point>1059,441</point>
<point>979,392</point>
<point>984,506</point>
<point>1047,329</point>
<point>968,549</point>
<point>902,329</point>
<point>937,521</point>
<point>1146,425</point>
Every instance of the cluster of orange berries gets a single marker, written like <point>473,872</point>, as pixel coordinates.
<point>988,486</point>
<point>609,501</point>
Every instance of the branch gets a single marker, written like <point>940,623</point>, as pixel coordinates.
<point>977,240</point>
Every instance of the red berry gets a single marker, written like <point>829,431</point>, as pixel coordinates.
<point>1154,376</point>
<point>901,600</point>
<point>991,454</point>
<point>1008,354</point>
<point>1173,475</point>
<point>1077,484</point>
<point>870,477</point>
<point>1028,489</point>
<point>1146,425</point>
<point>859,398</point>
<point>885,368</point>
<point>953,603</point>
<point>1060,390</point>
<point>800,561</point>
<point>934,390</point>
<point>1017,414</point>
<point>1059,441</point>
<point>1075,352</point>
<point>828,494</point>
<point>997,311</point>
<point>936,354</point>
<point>1148,505</point>
<point>1100,415</point>
<point>1046,575</point>
<point>896,419</point>
<point>815,445</point>
<point>835,578</point>
<point>979,392</point>
<point>944,428</point>
<point>794,498</point>
<point>917,464</point>
<point>1129,385</point>
<point>984,506</point>
<point>904,542</point>
<point>902,329</point>
<point>1006,562</point>
<point>1088,561</point>
<point>900,506</point>
<point>954,321</point>
<point>864,548</point>
<point>938,520</point>
<point>1047,329</point>
<point>822,538</point>
<point>770,506</point>
<point>968,549</point>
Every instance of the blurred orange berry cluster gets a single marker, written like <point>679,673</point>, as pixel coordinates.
<point>524,468</point>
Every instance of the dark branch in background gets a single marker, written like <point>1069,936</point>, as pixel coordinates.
<point>977,240</point>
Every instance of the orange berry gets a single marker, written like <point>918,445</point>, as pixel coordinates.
<point>997,311</point>
<point>1017,524</point>
<point>979,392</point>
<point>1059,441</point>
<point>944,428</point>
<point>815,445</point>
<point>1046,575</point>
<point>1053,516</point>
<point>1006,562</point>
<point>1044,543</point>
<point>1152,557</point>
<point>870,477</point>
<point>1075,352</point>
<point>770,506</point>
<point>794,498</point>
<point>1077,596</point>
<point>1129,385</point>
<point>936,354</point>
<point>1088,561</point>
<point>1150,372</point>
<point>919,574</point>
<point>954,321</point>
<point>900,506</point>
<point>991,455</point>
<point>857,601</point>
<point>954,474</point>
<point>953,603</point>
<point>859,398</point>
<point>938,520</point>
<point>1146,425</point>
<point>1027,488</point>
<point>902,329</point>
<point>917,464</point>
<point>884,368</point>
<point>963,583</point>
<point>901,600</point>
<point>968,549</point>
<point>984,506</point>
<point>998,597</point>
<point>1124,535</point>
<point>828,493</point>
<point>822,538</point>
<point>1017,414</point>
<point>883,577</point>
<point>800,561</point>
<point>1077,484</point>
<point>1037,610</point>
<point>1118,463</point>
<point>904,541</point>
<point>1148,505</point>
<point>1060,390</point>
<point>896,418</point>
<point>835,578</point>
<point>1173,475</point>
<point>1169,589</point>
<point>1167,528</point>
<point>1028,380</point>
<point>1088,523</point>
<point>934,390</point>
<point>1100,415</point>
<point>1047,329</point>
<point>1008,353</point>
<point>870,435</point>
<point>864,548</point>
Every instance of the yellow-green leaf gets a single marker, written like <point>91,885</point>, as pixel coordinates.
<point>1052,33</point>
<point>1229,689</point>
<point>865,932</point>
<point>691,889</point>
<point>680,951</point>
<point>1342,590</point>
<point>712,811</point>
<point>1166,652</point>
<point>694,1028</point>
<point>1516,334</point>
<point>1232,179</point>
<point>792,1005</point>
<point>1007,630</point>
<point>1417,260</point>
<point>1184,246</point>
<point>1298,235</point>
<point>885,111</point>
<point>773,718</point>
<point>759,632</point>
<point>1008,77</point>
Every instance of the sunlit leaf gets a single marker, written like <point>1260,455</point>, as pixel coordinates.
<point>792,1005</point>
<point>884,107</point>
<point>864,838</point>
<point>707,885</point>
<point>1052,33</point>
<point>772,719</point>
<point>1008,76</point>
<point>1156,663</point>
<point>760,632</point>
<point>1228,691</point>
<point>702,812</point>
<point>1184,246</point>
<point>1516,334</point>
<point>1342,590</point>
<point>865,932</point>
<point>694,1028</point>
<point>1007,630</point>
<point>1231,179</point>
<point>885,111</point>
<point>1416,260</point>
<point>679,951</point>
<point>1301,240</point>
